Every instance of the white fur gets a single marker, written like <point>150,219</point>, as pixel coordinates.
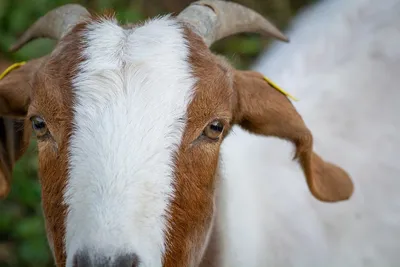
<point>131,93</point>
<point>343,64</point>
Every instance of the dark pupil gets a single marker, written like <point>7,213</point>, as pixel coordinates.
<point>216,127</point>
<point>38,124</point>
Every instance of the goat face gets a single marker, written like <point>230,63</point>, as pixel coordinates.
<point>129,122</point>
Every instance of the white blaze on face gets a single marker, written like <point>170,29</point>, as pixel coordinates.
<point>131,97</point>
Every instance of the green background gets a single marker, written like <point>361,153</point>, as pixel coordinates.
<point>22,236</point>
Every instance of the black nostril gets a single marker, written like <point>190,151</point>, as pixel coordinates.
<point>82,259</point>
<point>131,260</point>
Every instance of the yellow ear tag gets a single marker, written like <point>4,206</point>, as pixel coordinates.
<point>280,89</point>
<point>11,68</point>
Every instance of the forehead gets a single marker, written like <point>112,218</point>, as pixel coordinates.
<point>156,55</point>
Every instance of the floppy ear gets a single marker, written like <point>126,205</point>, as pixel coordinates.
<point>14,140</point>
<point>261,109</point>
<point>15,89</point>
<point>15,130</point>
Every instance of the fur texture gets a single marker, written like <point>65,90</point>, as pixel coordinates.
<point>342,63</point>
<point>265,215</point>
<point>131,99</point>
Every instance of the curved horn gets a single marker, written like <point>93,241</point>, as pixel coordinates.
<point>53,25</point>
<point>216,19</point>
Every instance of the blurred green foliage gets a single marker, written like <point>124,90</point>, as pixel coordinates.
<point>22,236</point>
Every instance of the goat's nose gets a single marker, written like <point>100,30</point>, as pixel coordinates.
<point>83,259</point>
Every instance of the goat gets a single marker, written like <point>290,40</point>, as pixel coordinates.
<point>130,120</point>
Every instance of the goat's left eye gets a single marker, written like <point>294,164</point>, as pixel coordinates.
<point>214,130</point>
<point>39,126</point>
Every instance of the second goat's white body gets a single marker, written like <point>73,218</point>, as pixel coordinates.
<point>343,63</point>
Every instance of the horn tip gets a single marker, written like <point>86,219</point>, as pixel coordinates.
<point>285,39</point>
<point>278,35</point>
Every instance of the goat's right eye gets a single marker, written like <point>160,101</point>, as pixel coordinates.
<point>39,126</point>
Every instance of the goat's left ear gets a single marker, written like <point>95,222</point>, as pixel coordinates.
<point>261,109</point>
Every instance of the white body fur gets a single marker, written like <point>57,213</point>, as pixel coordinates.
<point>343,64</point>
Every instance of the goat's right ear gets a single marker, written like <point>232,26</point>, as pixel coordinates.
<point>14,140</point>
<point>15,89</point>
<point>15,130</point>
<point>262,109</point>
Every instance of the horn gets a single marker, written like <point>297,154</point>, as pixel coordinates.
<point>55,24</point>
<point>215,19</point>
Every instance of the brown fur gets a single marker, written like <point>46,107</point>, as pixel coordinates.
<point>237,97</point>
<point>196,161</point>
<point>262,109</point>
<point>14,135</point>
<point>46,90</point>
<point>232,96</point>
<point>53,85</point>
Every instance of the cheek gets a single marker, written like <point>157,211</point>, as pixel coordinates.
<point>192,207</point>
<point>47,161</point>
<point>202,165</point>
<point>53,174</point>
